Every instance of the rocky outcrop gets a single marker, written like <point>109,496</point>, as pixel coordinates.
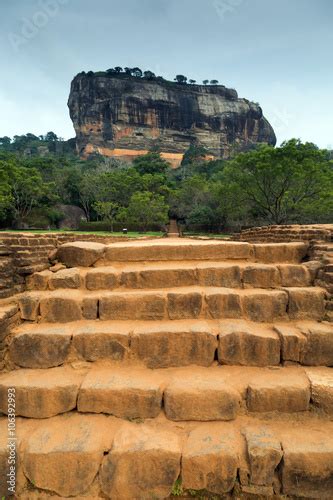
<point>124,116</point>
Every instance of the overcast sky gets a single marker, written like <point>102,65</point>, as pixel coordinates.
<point>275,52</point>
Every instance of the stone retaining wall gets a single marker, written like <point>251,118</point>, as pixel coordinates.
<point>322,232</point>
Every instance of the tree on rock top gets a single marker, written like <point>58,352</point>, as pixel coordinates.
<point>181,79</point>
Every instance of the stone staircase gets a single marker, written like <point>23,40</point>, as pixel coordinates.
<point>172,369</point>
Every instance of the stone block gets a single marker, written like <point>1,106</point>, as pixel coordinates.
<point>211,458</point>
<point>101,340</point>
<point>224,303</point>
<point>281,390</point>
<point>143,463</point>
<point>67,278</point>
<point>80,254</point>
<point>184,305</point>
<point>242,343</point>
<point>132,306</point>
<point>122,393</point>
<point>40,346</point>
<point>40,393</point>
<point>201,397</point>
<point>264,306</point>
<point>173,344</point>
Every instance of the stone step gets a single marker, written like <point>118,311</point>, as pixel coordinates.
<point>172,343</point>
<point>254,304</point>
<point>98,456</point>
<point>157,275</point>
<point>183,394</point>
<point>86,254</point>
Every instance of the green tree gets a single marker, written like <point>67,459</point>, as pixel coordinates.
<point>6,199</point>
<point>146,209</point>
<point>181,79</point>
<point>151,163</point>
<point>283,184</point>
<point>87,192</point>
<point>149,75</point>
<point>107,210</point>
<point>5,143</point>
<point>214,82</point>
<point>137,72</point>
<point>205,82</point>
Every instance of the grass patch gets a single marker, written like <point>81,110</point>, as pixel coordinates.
<point>97,233</point>
<point>177,489</point>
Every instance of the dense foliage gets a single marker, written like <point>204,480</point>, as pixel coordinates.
<point>289,184</point>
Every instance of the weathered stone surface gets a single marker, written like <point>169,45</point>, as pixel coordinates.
<point>122,393</point>
<point>9,318</point>
<point>223,303</point>
<point>261,276</point>
<point>228,276</point>
<point>101,279</point>
<point>81,253</point>
<point>101,340</point>
<point>293,342</point>
<point>39,281</point>
<point>57,267</point>
<point>201,397</point>
<point>265,454</point>
<point>184,305</point>
<point>40,393</point>
<point>163,278</point>
<point>280,252</point>
<point>67,278</point>
<point>40,346</point>
<point>60,309</point>
<point>64,454</point>
<point>122,306</point>
<point>211,458</point>
<point>29,306</point>
<point>143,463</point>
<point>264,305</point>
<point>90,307</point>
<point>308,464</point>
<point>178,249</point>
<point>241,343</point>
<point>174,344</point>
<point>294,275</point>
<point>9,450</point>
<point>279,390</point>
<point>318,349</point>
<point>150,112</point>
<point>321,381</point>
<point>306,303</point>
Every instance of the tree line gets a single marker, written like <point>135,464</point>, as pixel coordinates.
<point>292,183</point>
<point>147,75</point>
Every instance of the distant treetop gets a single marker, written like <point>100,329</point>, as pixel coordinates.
<point>146,75</point>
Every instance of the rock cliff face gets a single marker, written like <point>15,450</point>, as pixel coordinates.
<point>126,116</point>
